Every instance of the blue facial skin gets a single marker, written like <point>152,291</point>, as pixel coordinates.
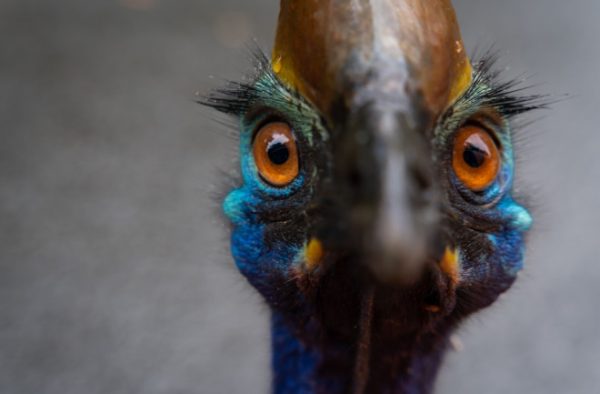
<point>502,259</point>
<point>487,229</point>
<point>261,263</point>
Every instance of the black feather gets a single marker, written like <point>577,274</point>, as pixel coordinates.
<point>507,96</point>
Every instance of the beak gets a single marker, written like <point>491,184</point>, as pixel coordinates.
<point>386,166</point>
<point>380,72</point>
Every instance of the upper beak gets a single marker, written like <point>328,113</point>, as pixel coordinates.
<point>380,72</point>
<point>386,163</point>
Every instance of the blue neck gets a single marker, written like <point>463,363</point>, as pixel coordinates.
<point>405,366</point>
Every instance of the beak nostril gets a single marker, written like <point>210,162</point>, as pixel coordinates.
<point>354,179</point>
<point>359,179</point>
<point>422,178</point>
<point>422,193</point>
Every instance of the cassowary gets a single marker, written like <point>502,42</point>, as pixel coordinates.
<point>375,208</point>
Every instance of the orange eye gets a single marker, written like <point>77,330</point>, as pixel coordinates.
<point>476,158</point>
<point>275,154</point>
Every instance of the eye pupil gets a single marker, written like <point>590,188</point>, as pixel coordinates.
<point>474,157</point>
<point>278,153</point>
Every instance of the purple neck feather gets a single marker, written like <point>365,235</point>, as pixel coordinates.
<point>404,365</point>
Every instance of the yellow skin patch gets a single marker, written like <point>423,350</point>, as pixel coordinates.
<point>286,74</point>
<point>284,70</point>
<point>277,65</point>
<point>433,308</point>
<point>450,264</point>
<point>313,254</point>
<point>463,79</point>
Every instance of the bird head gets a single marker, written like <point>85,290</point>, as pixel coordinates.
<point>375,159</point>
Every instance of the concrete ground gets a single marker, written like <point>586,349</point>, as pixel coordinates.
<point>114,274</point>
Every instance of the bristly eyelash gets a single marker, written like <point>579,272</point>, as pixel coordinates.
<point>236,97</point>
<point>487,89</point>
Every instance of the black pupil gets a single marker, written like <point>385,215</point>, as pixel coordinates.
<point>474,157</point>
<point>278,153</point>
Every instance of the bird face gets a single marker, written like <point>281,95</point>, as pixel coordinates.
<point>375,160</point>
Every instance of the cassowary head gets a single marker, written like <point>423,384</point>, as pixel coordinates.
<point>377,167</point>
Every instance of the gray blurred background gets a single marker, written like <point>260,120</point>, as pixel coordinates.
<point>114,272</point>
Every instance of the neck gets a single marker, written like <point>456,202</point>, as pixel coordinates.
<point>312,361</point>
